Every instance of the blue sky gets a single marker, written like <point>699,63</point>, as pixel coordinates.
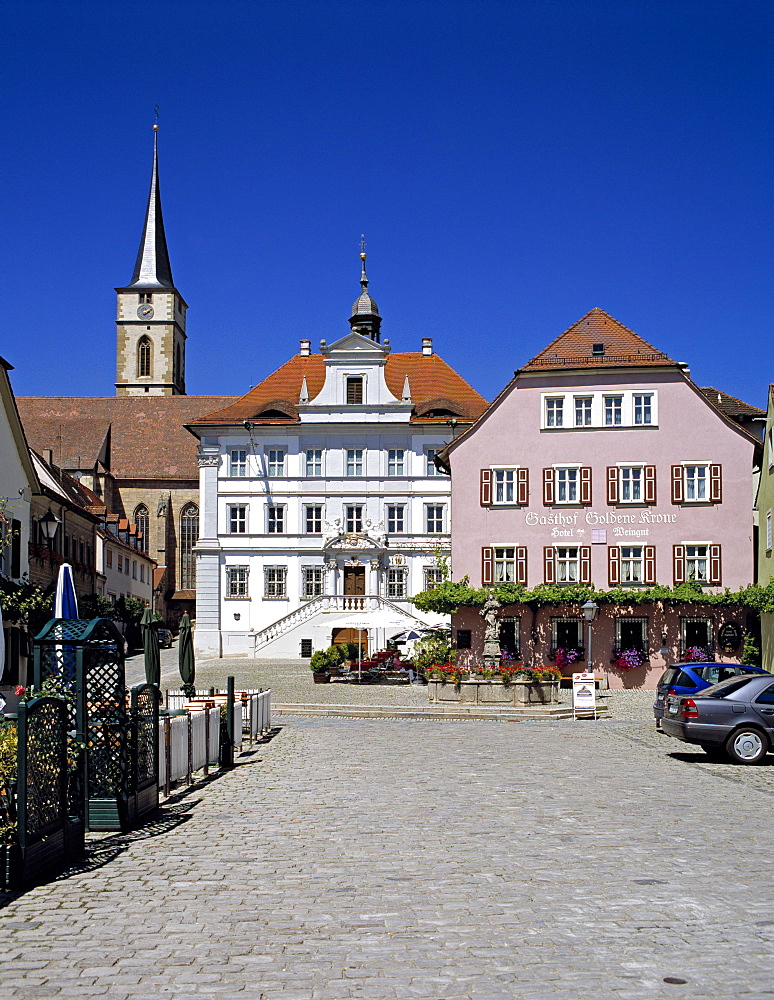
<point>512,165</point>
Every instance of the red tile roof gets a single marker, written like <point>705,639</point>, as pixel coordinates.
<point>135,437</point>
<point>575,347</point>
<point>730,404</point>
<point>434,385</point>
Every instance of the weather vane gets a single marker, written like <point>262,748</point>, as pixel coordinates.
<point>156,123</point>
<point>362,242</point>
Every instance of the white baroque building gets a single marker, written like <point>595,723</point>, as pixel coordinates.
<point>322,509</point>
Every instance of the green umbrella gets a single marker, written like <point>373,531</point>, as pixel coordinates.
<point>185,655</point>
<point>150,643</point>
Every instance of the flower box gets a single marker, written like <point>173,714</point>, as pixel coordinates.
<point>495,693</point>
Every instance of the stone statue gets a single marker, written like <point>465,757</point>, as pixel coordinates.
<point>491,630</point>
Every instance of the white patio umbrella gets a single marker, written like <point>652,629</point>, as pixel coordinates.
<point>365,621</point>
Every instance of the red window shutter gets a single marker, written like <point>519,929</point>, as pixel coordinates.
<point>487,559</point>
<point>650,483</point>
<point>549,564</point>
<point>585,485</point>
<point>486,487</point>
<point>521,564</point>
<point>714,565</point>
<point>613,565</point>
<point>649,567</point>
<point>716,484</point>
<point>612,484</point>
<point>677,484</point>
<point>548,487</point>
<point>678,564</point>
<point>522,495</point>
<point>584,575</point>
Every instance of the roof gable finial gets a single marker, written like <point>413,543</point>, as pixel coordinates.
<point>365,318</point>
<point>152,268</point>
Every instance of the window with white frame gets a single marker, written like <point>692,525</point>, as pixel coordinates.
<point>313,581</point>
<point>236,581</point>
<point>275,462</point>
<point>434,519</point>
<point>313,466</point>
<point>567,485</point>
<point>354,390</point>
<point>613,411</point>
<point>354,461</point>
<point>433,577</point>
<point>566,564</point>
<point>643,411</point>
<point>396,583</point>
<point>504,485</point>
<point>430,469</point>
<point>555,412</point>
<point>583,411</point>
<point>275,582</point>
<point>696,482</point>
<point>768,529</point>
<point>237,519</point>
<point>395,461</point>
<point>696,563</point>
<point>275,519</point>
<point>237,462</point>
<point>699,561</point>
<point>396,519</point>
<point>313,519</point>
<point>353,518</point>
<point>504,564</point>
<point>631,564</point>
<point>630,484</point>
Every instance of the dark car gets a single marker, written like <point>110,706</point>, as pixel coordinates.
<point>165,638</point>
<point>735,717</point>
<point>690,678</point>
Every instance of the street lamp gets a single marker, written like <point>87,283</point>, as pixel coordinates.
<point>590,611</point>
<point>48,527</point>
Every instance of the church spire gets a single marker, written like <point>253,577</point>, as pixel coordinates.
<point>152,268</point>
<point>365,318</point>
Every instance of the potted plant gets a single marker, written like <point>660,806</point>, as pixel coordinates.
<point>320,667</point>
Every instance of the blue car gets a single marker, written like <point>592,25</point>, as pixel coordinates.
<point>690,678</point>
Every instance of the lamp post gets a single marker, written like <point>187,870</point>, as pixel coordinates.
<point>590,611</point>
<point>48,527</point>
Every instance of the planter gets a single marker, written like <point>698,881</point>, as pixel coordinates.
<point>495,693</point>
<point>321,678</point>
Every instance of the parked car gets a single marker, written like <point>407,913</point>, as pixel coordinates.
<point>165,638</point>
<point>735,717</point>
<point>690,678</point>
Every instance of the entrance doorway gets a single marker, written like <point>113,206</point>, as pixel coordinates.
<point>340,636</point>
<point>354,586</point>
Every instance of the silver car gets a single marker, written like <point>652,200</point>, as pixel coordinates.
<point>735,717</point>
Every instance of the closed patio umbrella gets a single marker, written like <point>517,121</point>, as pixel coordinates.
<point>150,643</point>
<point>65,601</point>
<point>185,655</point>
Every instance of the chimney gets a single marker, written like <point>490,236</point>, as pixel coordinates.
<point>427,346</point>
<point>306,348</point>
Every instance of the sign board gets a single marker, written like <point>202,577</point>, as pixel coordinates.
<point>584,693</point>
<point>730,636</point>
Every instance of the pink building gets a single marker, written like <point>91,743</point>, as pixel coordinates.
<point>602,463</point>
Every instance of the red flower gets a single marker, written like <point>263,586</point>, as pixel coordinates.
<point>19,690</point>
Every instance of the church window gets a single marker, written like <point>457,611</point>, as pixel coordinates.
<point>142,520</point>
<point>144,358</point>
<point>189,535</point>
<point>146,297</point>
<point>354,390</point>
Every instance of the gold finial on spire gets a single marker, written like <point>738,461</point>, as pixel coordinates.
<point>156,123</point>
<point>363,254</point>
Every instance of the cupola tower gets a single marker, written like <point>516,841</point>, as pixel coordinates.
<point>365,318</point>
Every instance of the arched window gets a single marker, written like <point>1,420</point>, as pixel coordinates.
<point>189,534</point>
<point>144,358</point>
<point>142,520</point>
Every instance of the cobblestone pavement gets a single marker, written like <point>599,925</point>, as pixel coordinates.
<point>347,859</point>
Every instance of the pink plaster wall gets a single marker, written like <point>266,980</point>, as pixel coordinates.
<point>689,429</point>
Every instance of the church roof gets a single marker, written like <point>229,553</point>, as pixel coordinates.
<point>152,268</point>
<point>597,340</point>
<point>431,380</point>
<point>133,437</point>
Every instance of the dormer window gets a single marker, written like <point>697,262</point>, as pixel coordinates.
<point>598,350</point>
<point>354,390</point>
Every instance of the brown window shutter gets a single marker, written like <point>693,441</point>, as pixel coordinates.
<point>716,484</point>
<point>522,495</point>
<point>613,565</point>
<point>521,564</point>
<point>549,564</point>
<point>678,564</point>
<point>714,564</point>
<point>585,484</point>
<point>548,487</point>
<point>584,574</point>
<point>486,487</point>
<point>612,484</point>
<point>677,484</point>
<point>487,559</point>
<point>650,483</point>
<point>649,567</point>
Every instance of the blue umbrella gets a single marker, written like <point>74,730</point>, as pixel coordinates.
<point>65,601</point>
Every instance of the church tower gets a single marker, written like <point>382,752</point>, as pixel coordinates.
<point>150,343</point>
